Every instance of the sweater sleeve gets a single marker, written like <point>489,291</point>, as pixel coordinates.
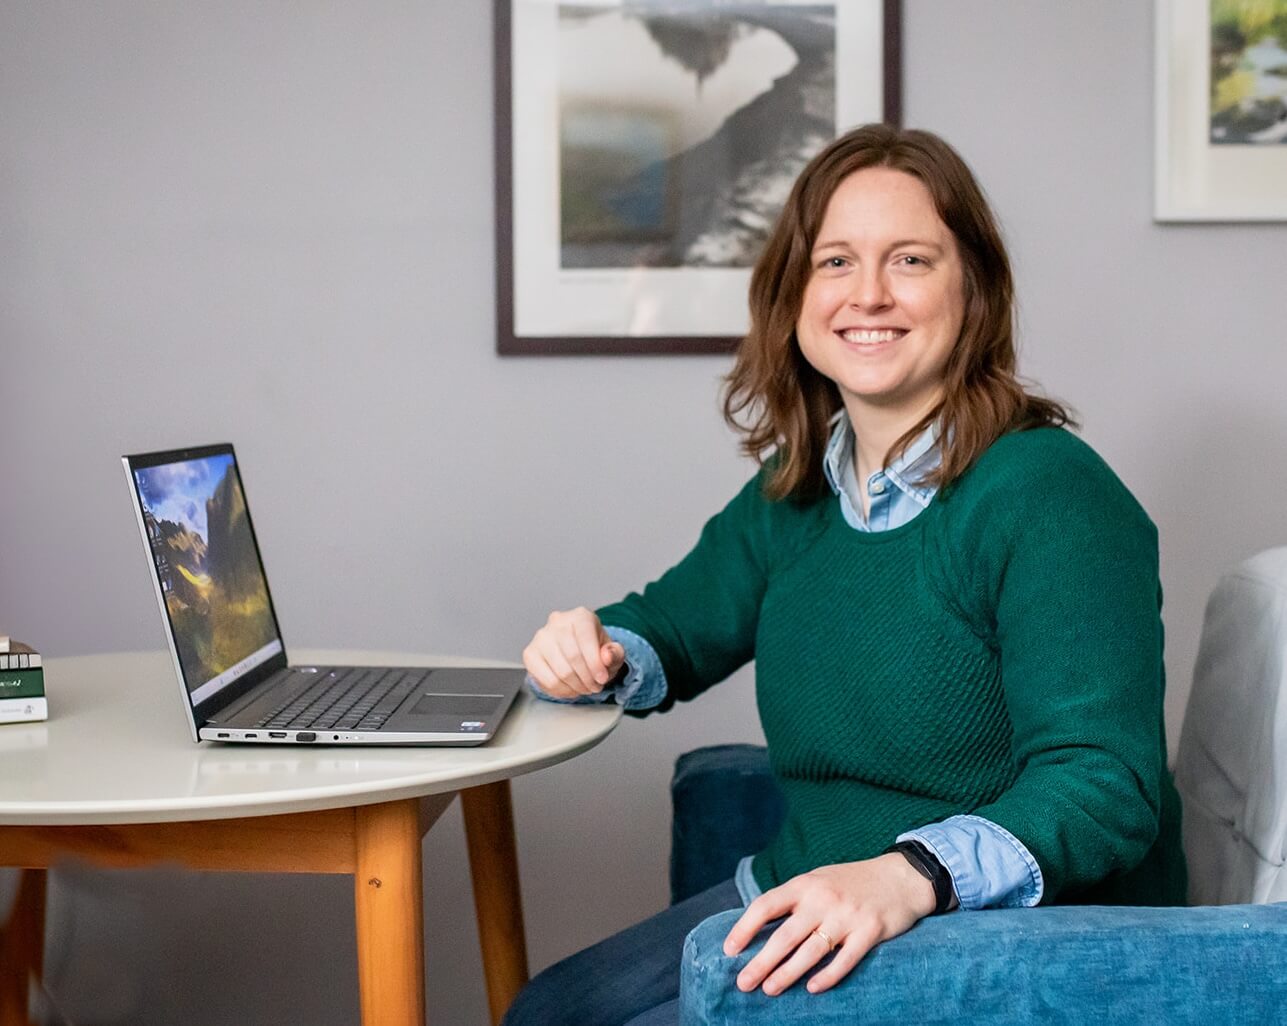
<point>701,615</point>
<point>1071,568</point>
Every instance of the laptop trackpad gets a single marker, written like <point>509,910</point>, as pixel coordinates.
<point>450,713</point>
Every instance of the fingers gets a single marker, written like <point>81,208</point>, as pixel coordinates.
<point>583,650</point>
<point>770,905</point>
<point>613,655</point>
<point>812,950</point>
<point>565,657</point>
<point>851,952</point>
<point>848,906</point>
<point>544,675</point>
<point>791,949</point>
<point>795,947</point>
<point>567,668</point>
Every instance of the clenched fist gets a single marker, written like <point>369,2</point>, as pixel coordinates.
<point>572,655</point>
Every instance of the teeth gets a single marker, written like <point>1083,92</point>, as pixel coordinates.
<point>855,335</point>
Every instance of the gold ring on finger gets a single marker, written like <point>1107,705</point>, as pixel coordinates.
<point>826,939</point>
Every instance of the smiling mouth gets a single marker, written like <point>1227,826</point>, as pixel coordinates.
<point>871,337</point>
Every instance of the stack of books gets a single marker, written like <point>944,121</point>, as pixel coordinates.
<point>22,683</point>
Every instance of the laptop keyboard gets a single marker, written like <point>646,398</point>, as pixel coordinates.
<point>345,699</point>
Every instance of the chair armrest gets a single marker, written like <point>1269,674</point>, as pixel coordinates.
<point>726,804</point>
<point>1061,964</point>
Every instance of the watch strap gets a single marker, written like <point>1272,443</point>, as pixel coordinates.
<point>927,864</point>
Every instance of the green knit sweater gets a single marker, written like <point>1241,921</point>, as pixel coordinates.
<point>1001,655</point>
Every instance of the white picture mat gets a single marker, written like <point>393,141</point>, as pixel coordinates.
<point>1193,179</point>
<point>636,302</point>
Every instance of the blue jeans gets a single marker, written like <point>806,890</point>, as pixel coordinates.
<point>1110,966</point>
<point>632,977</point>
<point>1068,964</point>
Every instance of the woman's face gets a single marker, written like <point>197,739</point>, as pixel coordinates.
<point>885,298</point>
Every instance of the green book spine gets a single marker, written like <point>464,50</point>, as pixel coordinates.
<point>28,683</point>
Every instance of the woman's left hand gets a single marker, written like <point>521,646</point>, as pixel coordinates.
<point>852,906</point>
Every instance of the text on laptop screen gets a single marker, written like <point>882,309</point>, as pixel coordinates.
<point>208,569</point>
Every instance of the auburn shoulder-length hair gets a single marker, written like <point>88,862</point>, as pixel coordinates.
<point>775,398</point>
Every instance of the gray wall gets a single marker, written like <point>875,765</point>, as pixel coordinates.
<point>273,224</point>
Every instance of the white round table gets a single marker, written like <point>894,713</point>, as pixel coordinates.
<point>113,777</point>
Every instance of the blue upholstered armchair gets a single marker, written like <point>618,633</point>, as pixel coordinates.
<point>1223,961</point>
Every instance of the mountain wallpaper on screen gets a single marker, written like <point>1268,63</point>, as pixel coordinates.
<point>219,601</point>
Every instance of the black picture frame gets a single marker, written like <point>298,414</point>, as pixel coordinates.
<point>524,34</point>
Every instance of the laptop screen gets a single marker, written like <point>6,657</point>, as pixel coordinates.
<point>207,566</point>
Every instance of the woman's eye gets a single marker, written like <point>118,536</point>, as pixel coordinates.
<point>835,262</point>
<point>913,261</point>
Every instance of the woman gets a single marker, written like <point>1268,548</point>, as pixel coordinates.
<point>929,565</point>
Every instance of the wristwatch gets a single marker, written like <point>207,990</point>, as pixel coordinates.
<point>927,864</point>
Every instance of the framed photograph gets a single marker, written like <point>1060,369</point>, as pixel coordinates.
<point>645,147</point>
<point>1221,118</point>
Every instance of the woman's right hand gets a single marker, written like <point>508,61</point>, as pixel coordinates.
<point>572,655</point>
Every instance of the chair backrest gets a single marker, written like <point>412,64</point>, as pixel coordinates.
<point>726,804</point>
<point>1231,766</point>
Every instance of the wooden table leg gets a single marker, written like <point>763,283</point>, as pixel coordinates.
<point>390,914</point>
<point>493,862</point>
<point>22,948</point>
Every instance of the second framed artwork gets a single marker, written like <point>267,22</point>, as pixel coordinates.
<point>645,147</point>
<point>1221,122</point>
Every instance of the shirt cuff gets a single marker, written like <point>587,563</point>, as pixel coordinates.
<point>644,684</point>
<point>990,867</point>
<point>744,878</point>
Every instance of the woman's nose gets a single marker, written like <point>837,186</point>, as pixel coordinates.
<point>870,291</point>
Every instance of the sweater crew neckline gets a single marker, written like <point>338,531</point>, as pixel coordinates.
<point>836,519</point>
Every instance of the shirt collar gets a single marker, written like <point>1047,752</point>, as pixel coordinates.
<point>919,458</point>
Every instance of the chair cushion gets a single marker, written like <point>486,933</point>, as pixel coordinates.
<point>1231,765</point>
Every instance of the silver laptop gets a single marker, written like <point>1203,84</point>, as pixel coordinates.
<point>236,682</point>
